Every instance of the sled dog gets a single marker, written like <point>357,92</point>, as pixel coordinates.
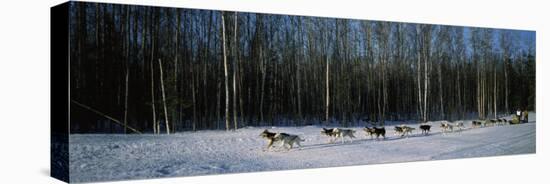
<point>425,129</point>
<point>491,122</point>
<point>329,132</point>
<point>369,131</point>
<point>502,121</point>
<point>398,130</point>
<point>446,126</point>
<point>288,139</point>
<point>403,130</point>
<point>270,137</point>
<point>459,125</point>
<point>477,123</point>
<point>375,131</point>
<point>344,133</point>
<point>407,130</point>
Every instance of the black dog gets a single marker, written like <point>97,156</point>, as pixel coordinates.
<point>476,123</point>
<point>425,129</point>
<point>380,131</point>
<point>376,131</point>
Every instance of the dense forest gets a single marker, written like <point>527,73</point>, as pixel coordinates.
<point>138,69</point>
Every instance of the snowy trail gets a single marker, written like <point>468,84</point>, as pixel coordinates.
<point>101,157</point>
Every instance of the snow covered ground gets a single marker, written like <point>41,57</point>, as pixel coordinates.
<point>101,157</point>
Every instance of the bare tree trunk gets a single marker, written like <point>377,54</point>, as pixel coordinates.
<point>298,82</point>
<point>178,22</point>
<point>218,94</point>
<point>419,72</point>
<point>506,93</point>
<point>327,79</point>
<point>424,37</point>
<point>440,79</point>
<point>504,45</point>
<point>426,80</point>
<point>126,100</point>
<point>204,69</point>
<point>459,91</point>
<point>155,129</point>
<point>167,124</point>
<point>177,109</point>
<point>495,90</point>
<point>225,76</point>
<point>478,84</point>
<point>194,98</point>
<point>327,90</point>
<point>263,70</point>
<point>235,55</point>
<point>127,48</point>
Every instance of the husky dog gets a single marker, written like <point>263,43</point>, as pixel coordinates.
<point>491,122</point>
<point>398,130</point>
<point>425,129</point>
<point>459,125</point>
<point>446,126</point>
<point>288,139</point>
<point>504,121</point>
<point>369,131</point>
<point>343,133</point>
<point>380,132</point>
<point>407,131</point>
<point>329,132</point>
<point>477,123</point>
<point>270,136</point>
<point>501,121</point>
<point>403,130</point>
<point>375,131</point>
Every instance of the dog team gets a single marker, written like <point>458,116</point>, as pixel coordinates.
<point>289,140</point>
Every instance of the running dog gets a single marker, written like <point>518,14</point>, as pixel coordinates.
<point>459,125</point>
<point>407,131</point>
<point>369,131</point>
<point>403,130</point>
<point>446,126</point>
<point>288,139</point>
<point>375,131</point>
<point>425,129</point>
<point>330,133</point>
<point>477,123</point>
<point>491,122</point>
<point>398,130</point>
<point>270,136</point>
<point>343,133</point>
<point>503,121</point>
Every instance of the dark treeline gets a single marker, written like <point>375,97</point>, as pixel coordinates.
<point>169,70</point>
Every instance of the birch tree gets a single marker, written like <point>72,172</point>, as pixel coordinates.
<point>225,75</point>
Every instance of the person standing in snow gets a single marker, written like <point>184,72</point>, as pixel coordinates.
<point>518,114</point>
